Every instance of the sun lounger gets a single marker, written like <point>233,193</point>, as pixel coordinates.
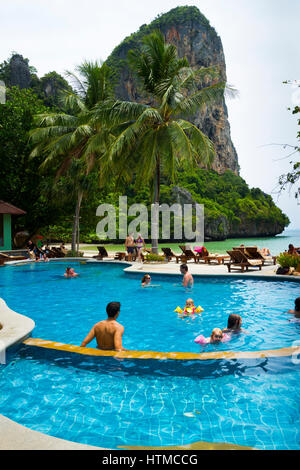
<point>102,253</point>
<point>57,252</point>
<point>189,254</point>
<point>6,257</point>
<point>219,258</point>
<point>255,253</point>
<point>120,255</point>
<point>168,253</point>
<point>239,261</point>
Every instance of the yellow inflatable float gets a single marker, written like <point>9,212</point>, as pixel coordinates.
<point>189,310</point>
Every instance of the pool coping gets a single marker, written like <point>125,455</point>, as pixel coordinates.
<point>129,354</point>
<point>15,327</point>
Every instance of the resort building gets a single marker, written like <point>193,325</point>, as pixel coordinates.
<point>6,212</point>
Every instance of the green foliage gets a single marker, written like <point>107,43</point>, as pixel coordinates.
<point>152,257</point>
<point>23,185</point>
<point>286,260</point>
<point>74,254</point>
<point>292,177</point>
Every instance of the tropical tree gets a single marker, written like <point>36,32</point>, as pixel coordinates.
<point>65,137</point>
<point>292,177</point>
<point>156,139</point>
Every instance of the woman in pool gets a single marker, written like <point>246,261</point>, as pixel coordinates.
<point>217,336</point>
<point>234,324</point>
<point>146,280</point>
<point>296,311</point>
<point>70,273</point>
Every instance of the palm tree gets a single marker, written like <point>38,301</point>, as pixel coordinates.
<point>156,139</point>
<point>65,137</point>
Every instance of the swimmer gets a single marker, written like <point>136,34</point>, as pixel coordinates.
<point>189,310</point>
<point>234,324</point>
<point>146,281</point>
<point>70,273</point>
<point>217,336</point>
<point>189,307</point>
<point>296,311</point>
<point>187,280</point>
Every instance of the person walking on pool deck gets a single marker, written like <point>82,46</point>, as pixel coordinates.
<point>109,332</point>
<point>187,280</point>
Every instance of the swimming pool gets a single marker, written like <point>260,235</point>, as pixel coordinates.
<point>121,403</point>
<point>112,402</point>
<point>65,309</point>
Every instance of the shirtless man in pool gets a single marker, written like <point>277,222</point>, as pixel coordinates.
<point>109,332</point>
<point>187,280</point>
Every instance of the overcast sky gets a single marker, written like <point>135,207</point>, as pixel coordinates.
<point>261,44</point>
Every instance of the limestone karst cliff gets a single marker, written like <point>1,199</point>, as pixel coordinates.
<point>195,39</point>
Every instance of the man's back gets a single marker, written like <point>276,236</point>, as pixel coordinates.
<point>108,334</point>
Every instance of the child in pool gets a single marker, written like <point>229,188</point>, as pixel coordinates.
<point>70,273</point>
<point>190,310</point>
<point>217,336</point>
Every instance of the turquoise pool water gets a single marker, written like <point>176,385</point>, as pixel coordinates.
<point>109,402</point>
<point>66,309</point>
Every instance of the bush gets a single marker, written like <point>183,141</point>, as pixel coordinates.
<point>288,261</point>
<point>150,257</point>
<point>74,254</point>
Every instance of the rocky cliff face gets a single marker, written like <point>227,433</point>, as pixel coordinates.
<point>19,73</point>
<point>194,38</point>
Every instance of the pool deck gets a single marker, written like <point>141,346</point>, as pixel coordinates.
<point>16,328</point>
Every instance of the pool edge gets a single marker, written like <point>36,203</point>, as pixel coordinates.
<point>47,344</point>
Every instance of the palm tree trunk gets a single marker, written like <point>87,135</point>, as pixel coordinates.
<point>155,233</point>
<point>76,221</point>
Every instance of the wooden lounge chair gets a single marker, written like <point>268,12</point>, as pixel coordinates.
<point>102,253</point>
<point>6,257</point>
<point>57,251</point>
<point>120,255</point>
<point>169,254</point>
<point>255,253</point>
<point>189,254</point>
<point>220,259</point>
<point>239,261</point>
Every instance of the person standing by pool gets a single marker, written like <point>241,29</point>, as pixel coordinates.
<point>140,245</point>
<point>130,246</point>
<point>109,332</point>
<point>187,280</point>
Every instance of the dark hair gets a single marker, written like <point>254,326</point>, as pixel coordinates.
<point>113,308</point>
<point>184,266</point>
<point>297,304</point>
<point>144,277</point>
<point>234,321</point>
